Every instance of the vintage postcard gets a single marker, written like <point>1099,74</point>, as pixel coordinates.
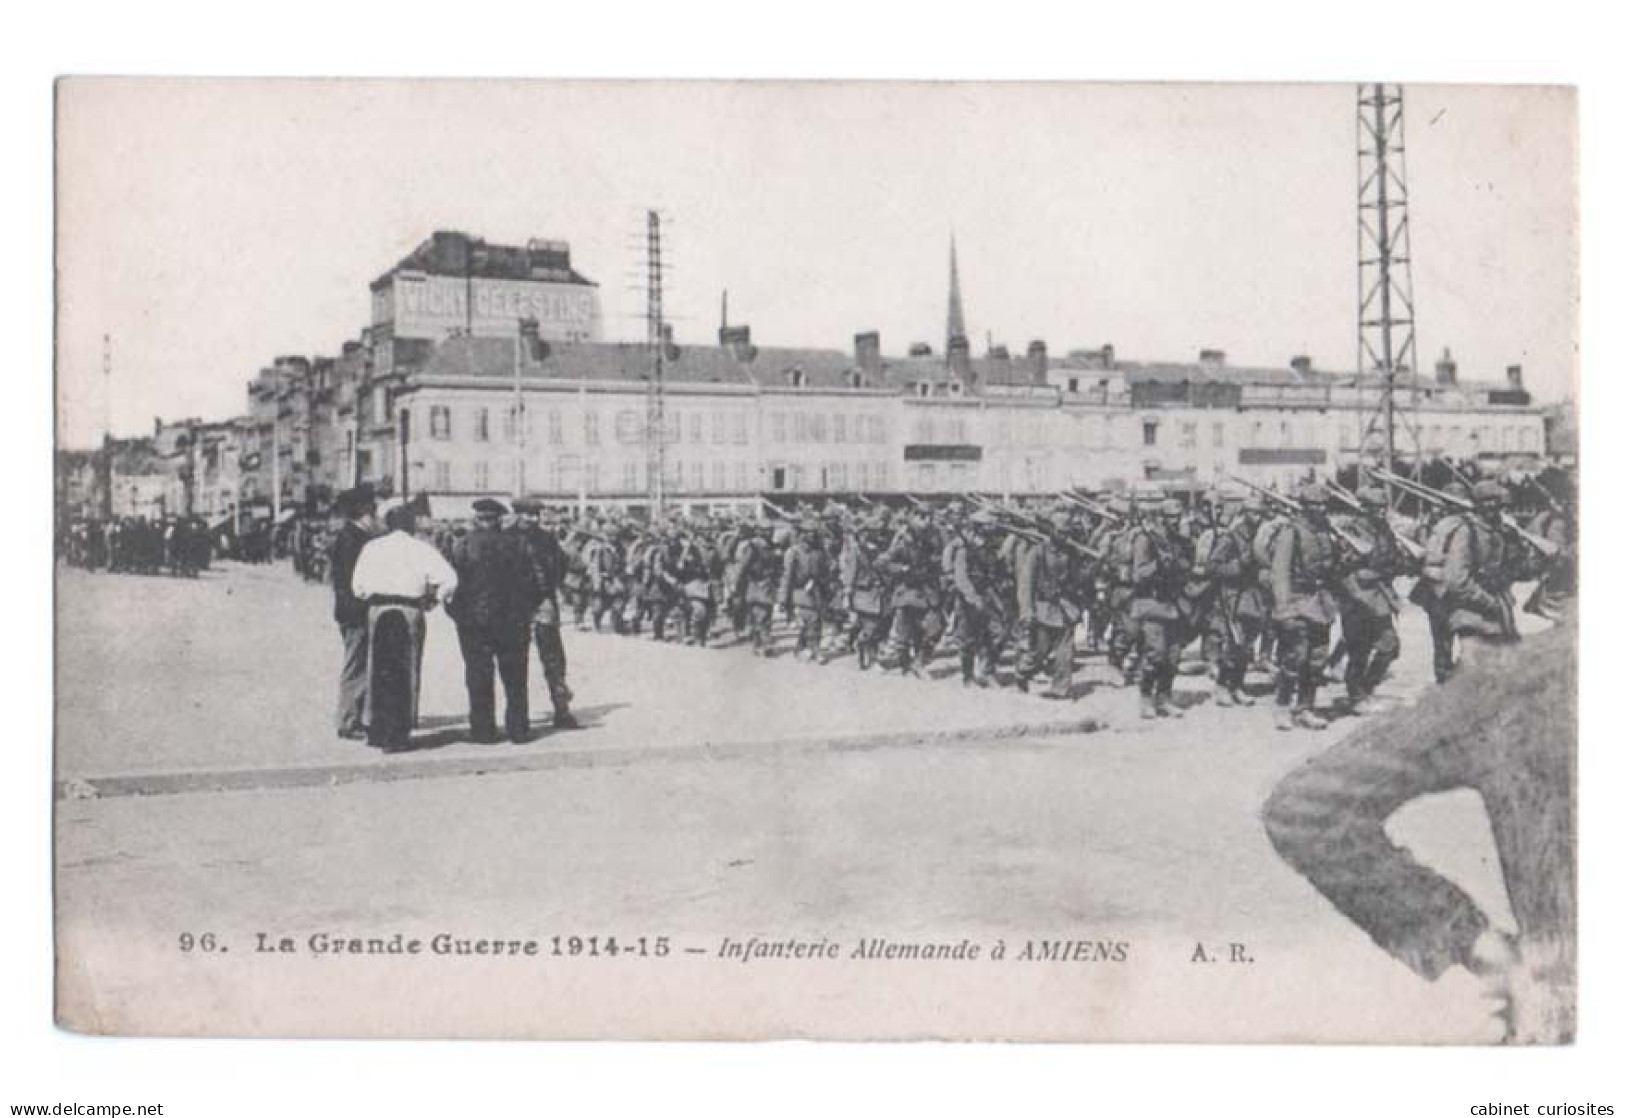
<point>729,560</point>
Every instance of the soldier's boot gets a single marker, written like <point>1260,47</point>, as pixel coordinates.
<point>1148,705</point>
<point>1307,719</point>
<point>1239,697</point>
<point>1283,718</point>
<point>967,666</point>
<point>1223,697</point>
<point>562,718</point>
<point>1166,707</point>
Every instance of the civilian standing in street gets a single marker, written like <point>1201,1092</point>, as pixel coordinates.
<point>400,578</point>
<point>496,598</point>
<point>358,508</point>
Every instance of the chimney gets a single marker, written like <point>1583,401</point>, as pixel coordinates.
<point>999,352</point>
<point>866,347</point>
<point>1301,364</point>
<point>1444,370</point>
<point>920,349</point>
<point>1108,356</point>
<point>1038,358</point>
<point>157,426</point>
<point>1515,377</point>
<point>1212,358</point>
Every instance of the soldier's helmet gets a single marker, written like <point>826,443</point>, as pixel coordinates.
<point>1312,495</point>
<point>1373,496</point>
<point>1457,490</point>
<point>1488,493</point>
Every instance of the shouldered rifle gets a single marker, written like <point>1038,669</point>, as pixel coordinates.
<point>777,510</point>
<point>1546,548</point>
<point>1354,543</point>
<point>1028,527</point>
<point>1074,497</point>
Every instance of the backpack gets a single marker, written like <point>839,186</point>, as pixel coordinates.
<point>1264,540</point>
<point>1438,545</point>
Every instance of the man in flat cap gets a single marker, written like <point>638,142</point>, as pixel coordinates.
<point>496,598</point>
<point>357,510</point>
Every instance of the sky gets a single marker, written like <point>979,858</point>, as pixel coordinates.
<point>210,225</point>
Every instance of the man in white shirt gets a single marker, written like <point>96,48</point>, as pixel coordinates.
<point>400,578</point>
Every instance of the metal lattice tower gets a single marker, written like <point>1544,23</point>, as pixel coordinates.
<point>656,321</point>
<point>1387,310</point>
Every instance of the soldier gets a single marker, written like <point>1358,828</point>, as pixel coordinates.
<point>1368,603</point>
<point>1554,523</point>
<point>1048,615</point>
<point>863,589</point>
<point>759,569</point>
<point>977,623</point>
<point>1477,576</point>
<point>358,507</point>
<point>577,582</point>
<point>496,599</point>
<point>802,590</point>
<point>693,574</point>
<point>1428,592</point>
<point>549,562</point>
<point>1238,606</point>
<point>909,569</point>
<point>1303,560</point>
<point>1158,572</point>
<point>1117,569</point>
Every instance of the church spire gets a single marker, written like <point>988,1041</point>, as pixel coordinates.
<point>956,305</point>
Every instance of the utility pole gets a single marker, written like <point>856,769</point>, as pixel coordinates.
<point>656,321</point>
<point>1386,311</point>
<point>107,428</point>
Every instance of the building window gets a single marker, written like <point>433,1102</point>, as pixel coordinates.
<point>719,432</point>
<point>628,427</point>
<point>1148,433</point>
<point>589,427</point>
<point>1218,434</point>
<point>440,422</point>
<point>482,425</point>
<point>741,479</point>
<point>442,476</point>
<point>629,475</point>
<point>819,429</point>
<point>838,428</point>
<point>882,475</point>
<point>695,421</point>
<point>719,476</point>
<point>796,378</point>
<point>595,475</point>
<point>863,476</point>
<point>482,475</point>
<point>555,426</point>
<point>739,432</point>
<point>778,427</point>
<point>1072,384</point>
<point>1187,436</point>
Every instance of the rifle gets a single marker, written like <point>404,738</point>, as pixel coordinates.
<point>1360,547</point>
<point>776,510</point>
<point>1546,548</point>
<point>1098,509</point>
<point>1028,528</point>
<point>1410,547</point>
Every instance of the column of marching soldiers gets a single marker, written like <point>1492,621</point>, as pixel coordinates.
<point>1253,577</point>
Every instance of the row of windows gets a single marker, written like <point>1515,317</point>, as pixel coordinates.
<point>732,428</point>
<point>819,427</point>
<point>829,476</point>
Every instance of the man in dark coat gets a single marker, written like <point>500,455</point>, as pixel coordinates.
<point>496,599</point>
<point>358,509</point>
<point>550,563</point>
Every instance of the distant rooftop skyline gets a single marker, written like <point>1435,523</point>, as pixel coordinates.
<point>209,226</point>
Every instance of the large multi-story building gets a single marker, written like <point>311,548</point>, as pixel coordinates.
<point>483,372</point>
